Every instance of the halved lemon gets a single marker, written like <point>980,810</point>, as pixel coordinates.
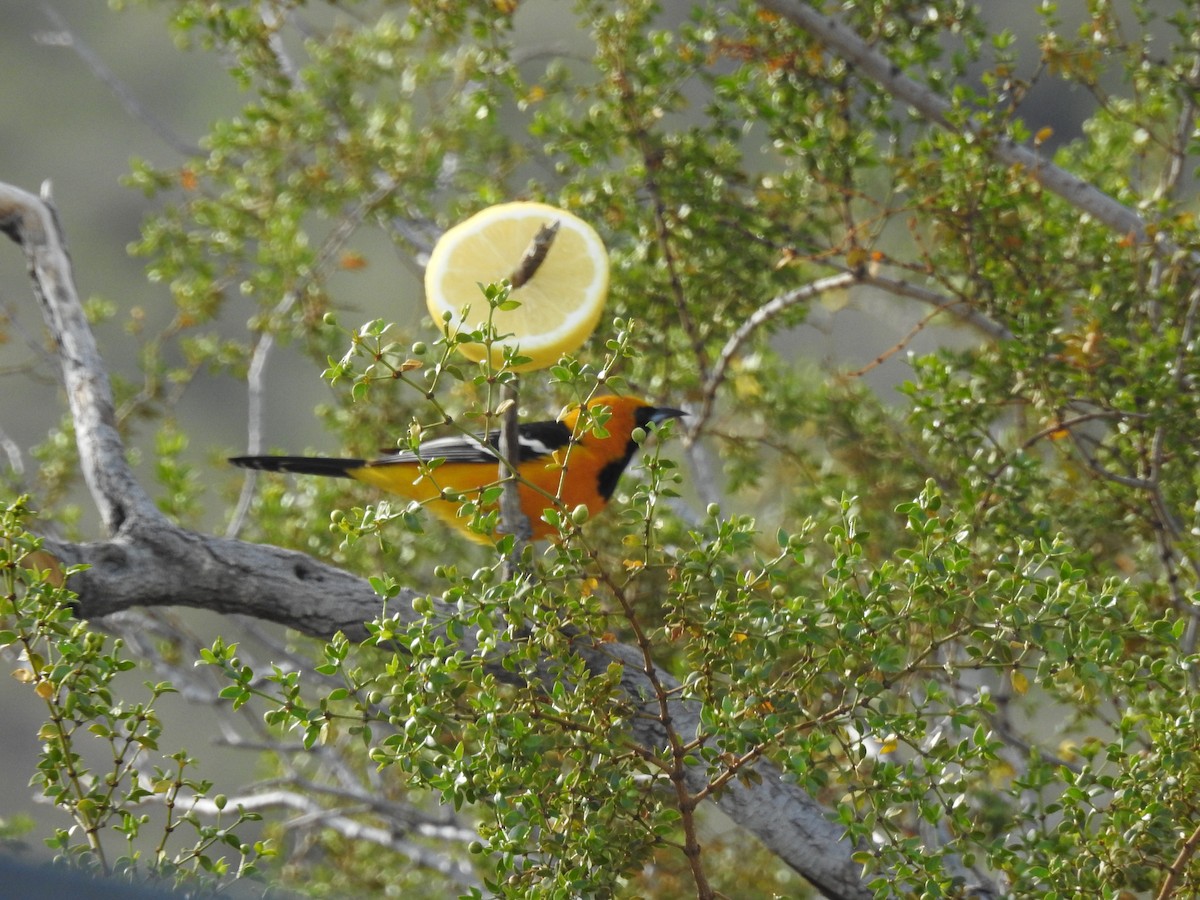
<point>559,305</point>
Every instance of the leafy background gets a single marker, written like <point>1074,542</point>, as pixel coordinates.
<point>61,121</point>
<point>128,309</point>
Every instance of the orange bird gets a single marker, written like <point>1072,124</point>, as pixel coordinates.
<point>559,467</point>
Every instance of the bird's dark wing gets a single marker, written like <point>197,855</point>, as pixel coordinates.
<point>537,439</point>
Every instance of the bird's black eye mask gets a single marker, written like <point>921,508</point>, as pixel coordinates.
<point>645,416</point>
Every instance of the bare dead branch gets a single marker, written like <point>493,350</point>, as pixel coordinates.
<point>170,566</point>
<point>32,223</point>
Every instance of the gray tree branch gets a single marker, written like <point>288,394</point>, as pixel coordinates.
<point>150,562</point>
<point>844,43</point>
<point>33,224</point>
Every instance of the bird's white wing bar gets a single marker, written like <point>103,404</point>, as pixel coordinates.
<point>537,440</point>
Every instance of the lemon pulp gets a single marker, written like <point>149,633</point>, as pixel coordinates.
<point>559,306</point>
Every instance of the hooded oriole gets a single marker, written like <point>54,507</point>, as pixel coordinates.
<point>558,466</point>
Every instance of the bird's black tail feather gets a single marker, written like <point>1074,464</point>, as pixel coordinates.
<point>300,465</point>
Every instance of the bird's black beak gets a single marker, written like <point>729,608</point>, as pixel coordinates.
<point>652,415</point>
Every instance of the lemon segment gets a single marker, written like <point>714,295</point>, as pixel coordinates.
<point>559,306</point>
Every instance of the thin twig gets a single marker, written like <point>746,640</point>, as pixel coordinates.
<point>534,255</point>
<point>16,462</point>
<point>1177,155</point>
<point>255,389</point>
<point>652,161</point>
<point>1094,465</point>
<point>763,314</point>
<point>662,233</point>
<point>960,310</point>
<point>1175,872</point>
<point>64,36</point>
<point>512,518</point>
<point>274,21</point>
<point>34,343</point>
<point>903,342</point>
<point>1172,548</point>
<point>256,373</point>
<point>686,801</point>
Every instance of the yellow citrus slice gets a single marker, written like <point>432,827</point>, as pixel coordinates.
<point>559,305</point>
